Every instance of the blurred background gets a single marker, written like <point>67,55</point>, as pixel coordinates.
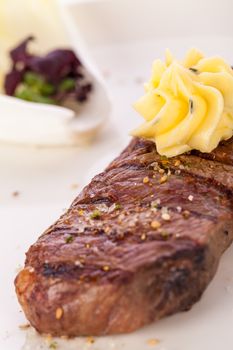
<point>117,41</point>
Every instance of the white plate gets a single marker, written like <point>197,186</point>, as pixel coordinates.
<point>45,178</point>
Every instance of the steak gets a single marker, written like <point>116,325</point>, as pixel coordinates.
<point>140,242</point>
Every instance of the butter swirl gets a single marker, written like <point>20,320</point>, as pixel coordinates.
<point>187,105</point>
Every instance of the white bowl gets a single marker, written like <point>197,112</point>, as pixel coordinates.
<point>30,123</point>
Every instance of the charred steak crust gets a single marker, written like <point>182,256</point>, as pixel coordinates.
<point>141,241</point>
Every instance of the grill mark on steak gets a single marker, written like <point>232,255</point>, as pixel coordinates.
<point>69,270</point>
<point>117,266</point>
<point>201,168</point>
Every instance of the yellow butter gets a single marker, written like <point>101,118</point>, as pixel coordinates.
<point>187,105</point>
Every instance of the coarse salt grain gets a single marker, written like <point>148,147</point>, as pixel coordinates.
<point>163,179</point>
<point>143,237</point>
<point>164,210</point>
<point>166,216</point>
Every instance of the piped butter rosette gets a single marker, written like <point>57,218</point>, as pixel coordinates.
<point>187,105</point>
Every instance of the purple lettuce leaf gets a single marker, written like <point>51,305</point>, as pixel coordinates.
<point>20,53</point>
<point>55,65</point>
<point>54,68</point>
<point>12,80</point>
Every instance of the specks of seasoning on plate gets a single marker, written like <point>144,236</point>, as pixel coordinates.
<point>90,340</point>
<point>65,337</point>
<point>153,342</point>
<point>53,345</point>
<point>59,313</point>
<point>48,338</point>
<point>15,194</point>
<point>139,80</point>
<point>74,186</point>
<point>24,326</point>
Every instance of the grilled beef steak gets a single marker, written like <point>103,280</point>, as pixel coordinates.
<point>141,241</point>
